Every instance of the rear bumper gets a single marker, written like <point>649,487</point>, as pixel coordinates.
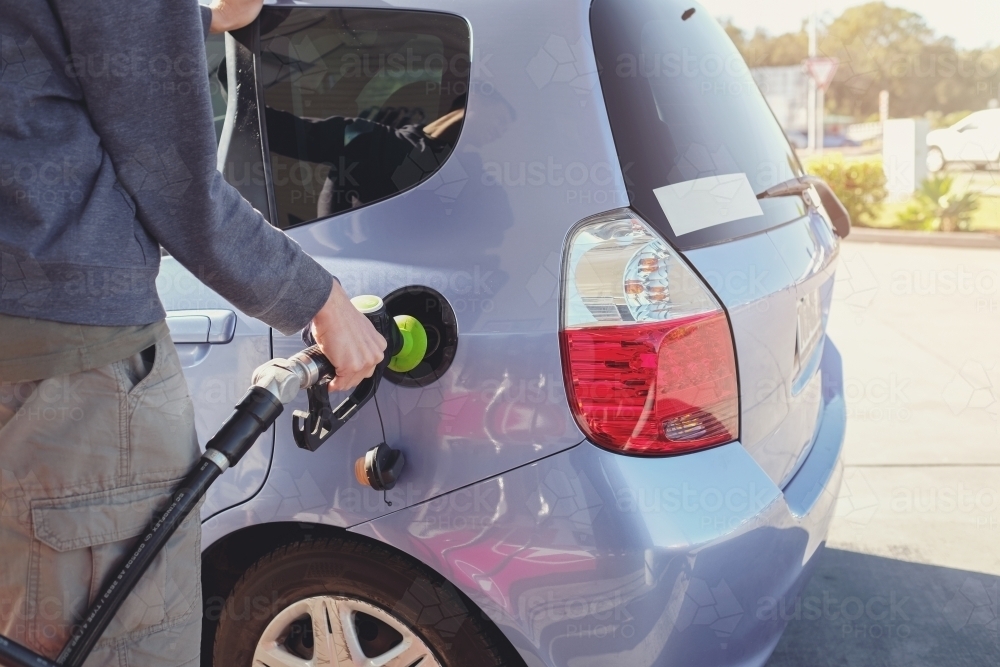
<point>593,558</point>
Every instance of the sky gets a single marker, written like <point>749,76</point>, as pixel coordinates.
<point>973,23</point>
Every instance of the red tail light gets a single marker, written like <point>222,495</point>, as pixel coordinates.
<point>647,351</point>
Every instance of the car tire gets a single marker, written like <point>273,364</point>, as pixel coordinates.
<point>385,600</point>
<point>935,160</point>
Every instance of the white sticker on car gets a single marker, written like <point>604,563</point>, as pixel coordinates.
<point>707,202</point>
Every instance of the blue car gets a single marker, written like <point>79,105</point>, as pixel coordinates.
<point>623,446</point>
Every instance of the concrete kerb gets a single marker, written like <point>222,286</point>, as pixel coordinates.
<point>944,239</point>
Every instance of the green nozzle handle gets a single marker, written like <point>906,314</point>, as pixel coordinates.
<point>412,335</point>
<point>414,344</point>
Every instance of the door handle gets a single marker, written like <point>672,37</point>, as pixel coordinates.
<point>201,326</point>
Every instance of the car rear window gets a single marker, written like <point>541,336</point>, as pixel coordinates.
<point>360,104</point>
<point>683,106</point>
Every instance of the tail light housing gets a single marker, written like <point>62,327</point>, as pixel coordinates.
<point>647,351</point>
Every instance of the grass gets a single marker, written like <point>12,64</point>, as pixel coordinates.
<point>986,218</point>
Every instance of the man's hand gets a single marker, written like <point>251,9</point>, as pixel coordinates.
<point>233,14</point>
<point>347,339</point>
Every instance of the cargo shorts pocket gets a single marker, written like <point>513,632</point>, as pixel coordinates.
<point>81,540</point>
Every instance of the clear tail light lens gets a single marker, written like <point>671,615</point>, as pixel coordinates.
<point>647,352</point>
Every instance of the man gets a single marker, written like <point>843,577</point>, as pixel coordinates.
<point>107,153</point>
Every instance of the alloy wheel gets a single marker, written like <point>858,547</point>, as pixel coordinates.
<point>340,631</point>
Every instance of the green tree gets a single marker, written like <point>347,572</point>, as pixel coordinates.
<point>882,48</point>
<point>762,50</point>
<point>885,48</point>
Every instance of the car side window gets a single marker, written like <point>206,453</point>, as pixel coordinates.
<point>360,104</point>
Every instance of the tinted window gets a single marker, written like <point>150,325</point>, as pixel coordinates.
<point>682,106</point>
<point>360,104</point>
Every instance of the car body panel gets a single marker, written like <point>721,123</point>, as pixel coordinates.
<point>760,279</point>
<point>592,558</point>
<point>218,376</point>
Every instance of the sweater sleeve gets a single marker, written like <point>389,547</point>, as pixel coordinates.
<point>141,67</point>
<point>206,20</point>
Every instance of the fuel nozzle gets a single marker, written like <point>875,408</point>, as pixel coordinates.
<point>406,339</point>
<point>406,345</point>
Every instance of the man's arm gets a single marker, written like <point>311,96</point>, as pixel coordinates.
<point>141,68</point>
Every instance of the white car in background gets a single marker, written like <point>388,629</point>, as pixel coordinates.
<point>974,140</point>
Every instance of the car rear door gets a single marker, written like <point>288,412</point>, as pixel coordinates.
<point>343,91</point>
<point>701,143</point>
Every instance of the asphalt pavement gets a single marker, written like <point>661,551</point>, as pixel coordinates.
<point>911,573</point>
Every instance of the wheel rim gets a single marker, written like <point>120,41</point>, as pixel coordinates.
<point>336,631</point>
<point>935,160</point>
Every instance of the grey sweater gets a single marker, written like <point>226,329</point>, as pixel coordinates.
<point>107,152</point>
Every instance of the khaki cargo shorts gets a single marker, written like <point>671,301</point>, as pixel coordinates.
<point>85,460</point>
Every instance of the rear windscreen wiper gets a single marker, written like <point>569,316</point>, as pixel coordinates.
<point>839,217</point>
<point>794,186</point>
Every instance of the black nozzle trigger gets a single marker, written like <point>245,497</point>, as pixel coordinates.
<point>311,429</point>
